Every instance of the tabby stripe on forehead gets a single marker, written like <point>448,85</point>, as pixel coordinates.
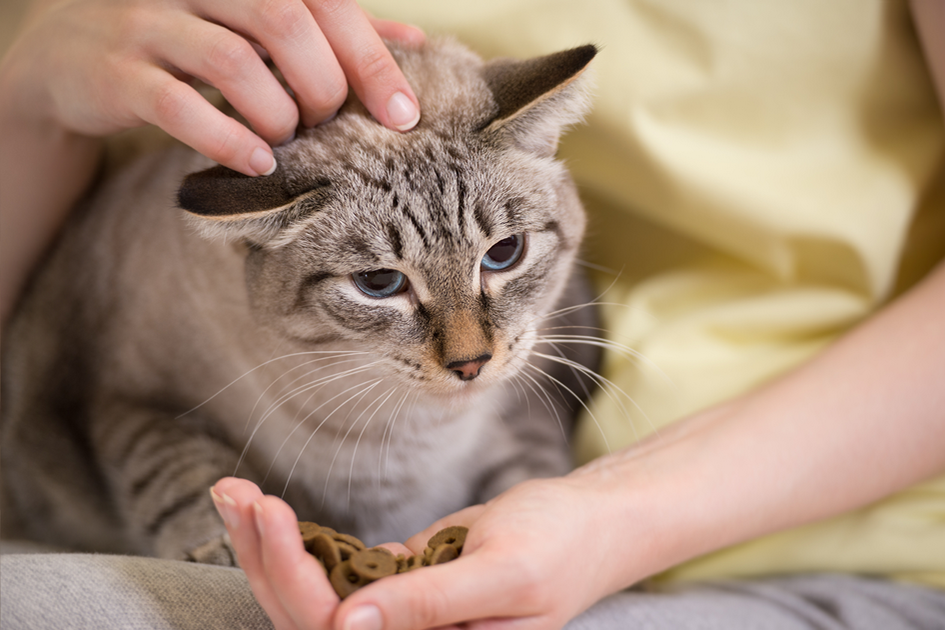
<point>485,224</point>
<point>417,226</point>
<point>396,242</point>
<point>460,199</point>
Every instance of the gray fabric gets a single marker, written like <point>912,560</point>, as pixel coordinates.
<point>809,602</point>
<point>65,591</point>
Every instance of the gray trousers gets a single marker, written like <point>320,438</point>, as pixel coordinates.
<point>63,591</point>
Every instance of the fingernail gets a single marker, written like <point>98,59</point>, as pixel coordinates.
<point>363,618</point>
<point>262,162</point>
<point>226,506</point>
<point>403,114</point>
<point>258,516</point>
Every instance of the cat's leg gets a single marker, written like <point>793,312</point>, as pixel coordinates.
<point>160,468</point>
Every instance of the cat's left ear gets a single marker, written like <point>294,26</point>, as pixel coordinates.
<point>538,98</point>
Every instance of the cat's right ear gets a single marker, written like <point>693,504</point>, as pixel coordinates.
<point>536,99</point>
<point>254,208</point>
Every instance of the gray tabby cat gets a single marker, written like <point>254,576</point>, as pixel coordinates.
<point>360,332</point>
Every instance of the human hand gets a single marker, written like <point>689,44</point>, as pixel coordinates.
<point>287,582</point>
<point>535,557</point>
<point>95,67</point>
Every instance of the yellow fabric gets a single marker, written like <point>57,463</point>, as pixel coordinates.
<point>759,176</point>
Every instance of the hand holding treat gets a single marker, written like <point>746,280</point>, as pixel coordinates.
<point>350,565</point>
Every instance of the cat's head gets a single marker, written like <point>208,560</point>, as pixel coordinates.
<point>438,250</point>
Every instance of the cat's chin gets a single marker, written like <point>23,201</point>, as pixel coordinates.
<point>464,395</point>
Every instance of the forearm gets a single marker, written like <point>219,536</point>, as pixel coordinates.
<point>43,167</point>
<point>43,170</point>
<point>859,422</point>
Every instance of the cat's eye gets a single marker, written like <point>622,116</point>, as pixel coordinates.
<point>380,283</point>
<point>504,254</point>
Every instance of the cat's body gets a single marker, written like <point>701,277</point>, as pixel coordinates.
<point>144,356</point>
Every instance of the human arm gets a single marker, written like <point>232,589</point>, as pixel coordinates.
<point>83,69</point>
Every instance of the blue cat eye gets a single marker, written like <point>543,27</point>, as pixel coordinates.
<point>504,254</point>
<point>380,283</point>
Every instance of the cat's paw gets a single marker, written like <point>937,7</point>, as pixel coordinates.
<point>217,550</point>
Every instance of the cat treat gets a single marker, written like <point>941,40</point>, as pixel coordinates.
<point>350,565</point>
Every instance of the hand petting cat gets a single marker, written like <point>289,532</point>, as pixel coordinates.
<point>119,65</point>
<point>123,65</point>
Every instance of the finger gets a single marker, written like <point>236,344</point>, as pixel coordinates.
<point>396,548</point>
<point>181,111</point>
<point>406,34</point>
<point>288,31</point>
<point>368,64</point>
<point>224,59</point>
<point>297,578</point>
<point>465,517</point>
<point>235,499</point>
<point>466,589</point>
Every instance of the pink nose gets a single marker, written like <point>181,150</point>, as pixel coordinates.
<point>468,370</point>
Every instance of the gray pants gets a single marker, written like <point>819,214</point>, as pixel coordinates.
<point>62,591</point>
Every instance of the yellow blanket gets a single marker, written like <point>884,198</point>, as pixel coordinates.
<point>760,177</point>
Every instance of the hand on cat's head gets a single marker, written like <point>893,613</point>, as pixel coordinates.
<point>113,66</point>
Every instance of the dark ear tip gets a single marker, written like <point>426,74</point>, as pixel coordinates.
<point>200,192</point>
<point>515,85</point>
<point>584,54</point>
<point>222,192</point>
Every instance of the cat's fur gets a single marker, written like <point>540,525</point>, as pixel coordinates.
<point>145,356</point>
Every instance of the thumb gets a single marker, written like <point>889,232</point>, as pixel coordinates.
<point>461,590</point>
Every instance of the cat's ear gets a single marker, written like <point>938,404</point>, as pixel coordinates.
<point>254,208</point>
<point>538,98</point>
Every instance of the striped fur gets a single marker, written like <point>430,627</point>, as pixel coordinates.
<point>153,355</point>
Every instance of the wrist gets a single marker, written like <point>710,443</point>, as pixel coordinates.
<point>667,500</point>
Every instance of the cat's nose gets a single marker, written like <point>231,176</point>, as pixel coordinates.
<point>467,370</point>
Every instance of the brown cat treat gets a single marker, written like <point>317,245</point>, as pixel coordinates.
<point>349,571</point>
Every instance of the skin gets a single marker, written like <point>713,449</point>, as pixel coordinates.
<point>124,64</point>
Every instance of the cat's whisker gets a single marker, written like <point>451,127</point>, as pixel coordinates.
<point>298,457</point>
<point>594,302</point>
<point>300,390</point>
<point>621,349</point>
<point>576,397</point>
<point>263,394</point>
<point>357,443</point>
<point>607,386</point>
<point>339,443</point>
<point>520,393</point>
<point>390,428</point>
<point>311,387</point>
<point>544,396</point>
<point>387,435</point>
<point>287,391</point>
<point>595,267</point>
<point>259,367</point>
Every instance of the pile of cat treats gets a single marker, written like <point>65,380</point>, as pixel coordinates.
<point>350,565</point>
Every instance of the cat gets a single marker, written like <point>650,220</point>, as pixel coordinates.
<point>368,332</point>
